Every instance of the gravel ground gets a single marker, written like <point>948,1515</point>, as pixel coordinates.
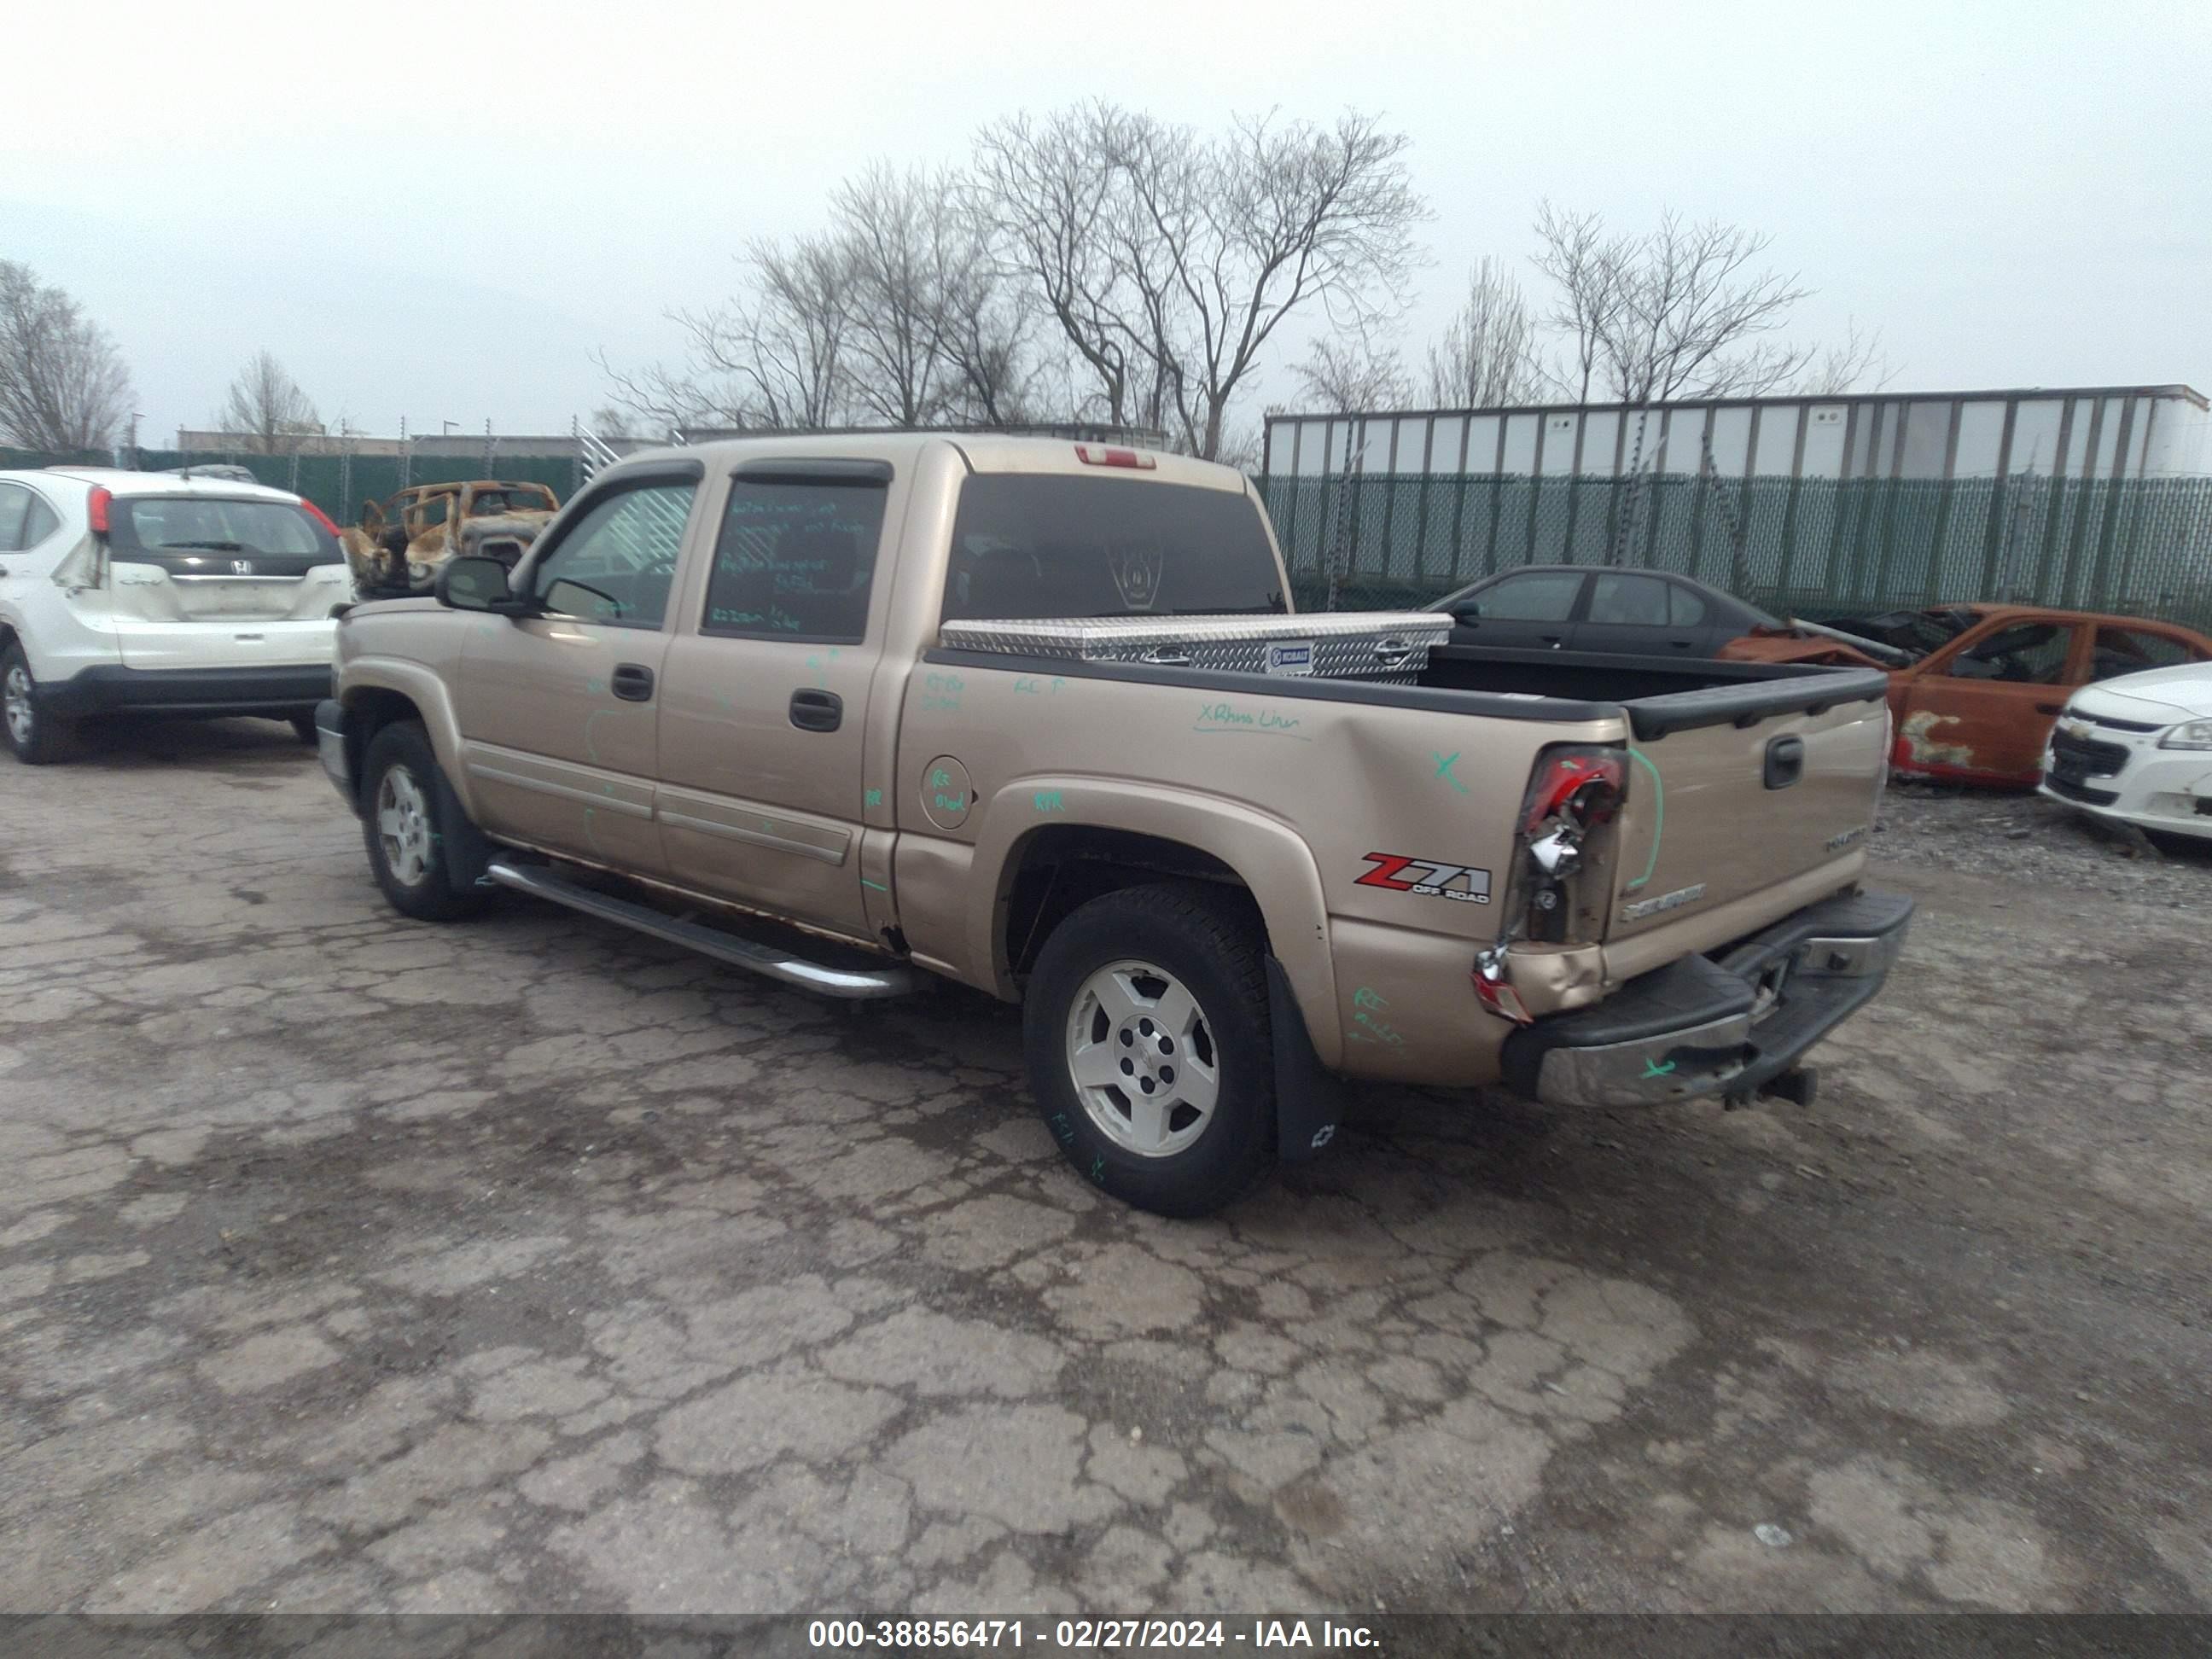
<point>2029,838</point>
<point>351,1264</point>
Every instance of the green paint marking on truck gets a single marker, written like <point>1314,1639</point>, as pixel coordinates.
<point>1445,768</point>
<point>1653,1068</point>
<point>1658,816</point>
<point>873,798</point>
<point>1048,800</point>
<point>878,885</point>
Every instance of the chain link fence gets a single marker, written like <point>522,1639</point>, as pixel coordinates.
<point>1811,546</point>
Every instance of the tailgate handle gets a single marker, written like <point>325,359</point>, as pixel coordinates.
<point>1785,762</point>
<point>1392,652</point>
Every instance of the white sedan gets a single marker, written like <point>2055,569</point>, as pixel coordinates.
<point>2138,749</point>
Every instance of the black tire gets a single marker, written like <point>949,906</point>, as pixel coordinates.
<point>33,736</point>
<point>420,885</point>
<point>303,728</point>
<point>1208,943</point>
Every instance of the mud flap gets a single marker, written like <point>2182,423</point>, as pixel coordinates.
<point>1309,1100</point>
<point>467,852</point>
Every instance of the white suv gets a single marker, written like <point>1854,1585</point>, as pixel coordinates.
<point>159,593</point>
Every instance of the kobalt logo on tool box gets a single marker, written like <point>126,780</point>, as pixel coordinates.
<point>1290,656</point>
<point>1430,877</point>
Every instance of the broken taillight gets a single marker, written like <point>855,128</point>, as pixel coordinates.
<point>1580,787</point>
<point>1101,455</point>
<point>96,506</point>
<point>1574,795</point>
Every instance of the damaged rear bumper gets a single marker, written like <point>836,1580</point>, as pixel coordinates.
<point>1728,1024</point>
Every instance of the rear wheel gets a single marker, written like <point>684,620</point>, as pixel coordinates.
<point>1145,1027</point>
<point>407,853</point>
<point>33,736</point>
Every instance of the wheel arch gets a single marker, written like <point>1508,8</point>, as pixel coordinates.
<point>377,692</point>
<point>1051,843</point>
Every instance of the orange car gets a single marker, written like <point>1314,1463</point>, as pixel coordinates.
<point>1978,707</point>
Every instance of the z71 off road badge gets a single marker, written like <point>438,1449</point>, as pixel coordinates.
<point>1430,877</point>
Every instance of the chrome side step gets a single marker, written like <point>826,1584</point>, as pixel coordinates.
<point>852,984</point>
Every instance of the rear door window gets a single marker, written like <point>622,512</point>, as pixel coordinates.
<point>1631,601</point>
<point>1056,545</point>
<point>2132,650</point>
<point>795,559</point>
<point>14,515</point>
<point>1684,608</point>
<point>1547,597</point>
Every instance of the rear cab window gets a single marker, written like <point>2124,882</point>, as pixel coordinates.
<point>214,535</point>
<point>1038,545</point>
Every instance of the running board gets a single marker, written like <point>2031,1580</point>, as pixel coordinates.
<point>852,984</point>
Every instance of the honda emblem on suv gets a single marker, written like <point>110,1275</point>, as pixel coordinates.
<point>241,566</point>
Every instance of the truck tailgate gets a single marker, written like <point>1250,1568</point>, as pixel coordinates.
<point>1731,795</point>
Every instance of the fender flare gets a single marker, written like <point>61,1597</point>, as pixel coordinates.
<point>1269,857</point>
<point>430,695</point>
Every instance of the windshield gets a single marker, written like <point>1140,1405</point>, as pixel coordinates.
<point>210,524</point>
<point>1040,545</point>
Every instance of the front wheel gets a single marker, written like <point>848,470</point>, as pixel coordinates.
<point>33,737</point>
<point>1145,1027</point>
<point>406,850</point>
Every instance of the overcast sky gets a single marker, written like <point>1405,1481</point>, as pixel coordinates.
<point>442,211</point>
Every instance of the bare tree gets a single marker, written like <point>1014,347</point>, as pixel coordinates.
<point>1585,268</point>
<point>1678,313</point>
<point>1051,198</point>
<point>1487,357</point>
<point>62,385</point>
<point>1169,259</point>
<point>1352,375</point>
<point>770,359</point>
<point>904,247</point>
<point>265,407</point>
<point>1857,364</point>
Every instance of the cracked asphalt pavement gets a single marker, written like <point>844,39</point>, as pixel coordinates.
<point>347,1263</point>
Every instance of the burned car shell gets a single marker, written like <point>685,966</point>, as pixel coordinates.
<point>428,516</point>
<point>1979,708</point>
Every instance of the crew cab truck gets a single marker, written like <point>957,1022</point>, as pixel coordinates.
<point>713,703</point>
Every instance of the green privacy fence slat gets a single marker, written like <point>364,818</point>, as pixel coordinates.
<point>336,483</point>
<point>2138,546</point>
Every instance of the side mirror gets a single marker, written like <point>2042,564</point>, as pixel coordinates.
<point>477,584</point>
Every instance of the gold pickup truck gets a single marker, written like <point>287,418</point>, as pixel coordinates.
<point>810,707</point>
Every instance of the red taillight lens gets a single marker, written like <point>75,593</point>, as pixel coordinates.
<point>96,506</point>
<point>318,516</point>
<point>1099,455</point>
<point>1581,785</point>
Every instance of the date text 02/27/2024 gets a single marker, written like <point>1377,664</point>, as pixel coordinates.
<point>1088,1634</point>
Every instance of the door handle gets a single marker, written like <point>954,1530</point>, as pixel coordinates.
<point>1552,640</point>
<point>1681,644</point>
<point>632,681</point>
<point>2050,709</point>
<point>816,711</point>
